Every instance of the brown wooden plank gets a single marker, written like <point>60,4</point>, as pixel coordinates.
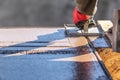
<point>116,32</point>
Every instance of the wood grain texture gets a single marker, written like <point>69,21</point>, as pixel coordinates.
<point>116,32</point>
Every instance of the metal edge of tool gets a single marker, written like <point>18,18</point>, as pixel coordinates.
<point>67,31</point>
<point>100,34</point>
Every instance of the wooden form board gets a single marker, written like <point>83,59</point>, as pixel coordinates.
<point>105,24</point>
<point>116,32</point>
<point>115,37</point>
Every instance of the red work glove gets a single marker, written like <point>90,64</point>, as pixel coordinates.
<point>79,19</point>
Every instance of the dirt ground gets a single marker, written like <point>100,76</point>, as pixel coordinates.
<point>112,61</point>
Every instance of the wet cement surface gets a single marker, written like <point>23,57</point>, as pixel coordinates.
<point>47,67</point>
<point>36,67</point>
<point>55,56</point>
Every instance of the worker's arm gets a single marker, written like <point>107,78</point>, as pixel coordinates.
<point>88,7</point>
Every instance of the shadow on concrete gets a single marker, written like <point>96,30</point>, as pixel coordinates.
<point>60,67</point>
<point>42,45</point>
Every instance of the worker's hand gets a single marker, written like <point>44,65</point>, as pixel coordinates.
<point>80,25</point>
<point>79,18</point>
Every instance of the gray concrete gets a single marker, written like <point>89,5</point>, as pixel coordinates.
<point>36,67</point>
<point>44,67</point>
<point>57,57</point>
